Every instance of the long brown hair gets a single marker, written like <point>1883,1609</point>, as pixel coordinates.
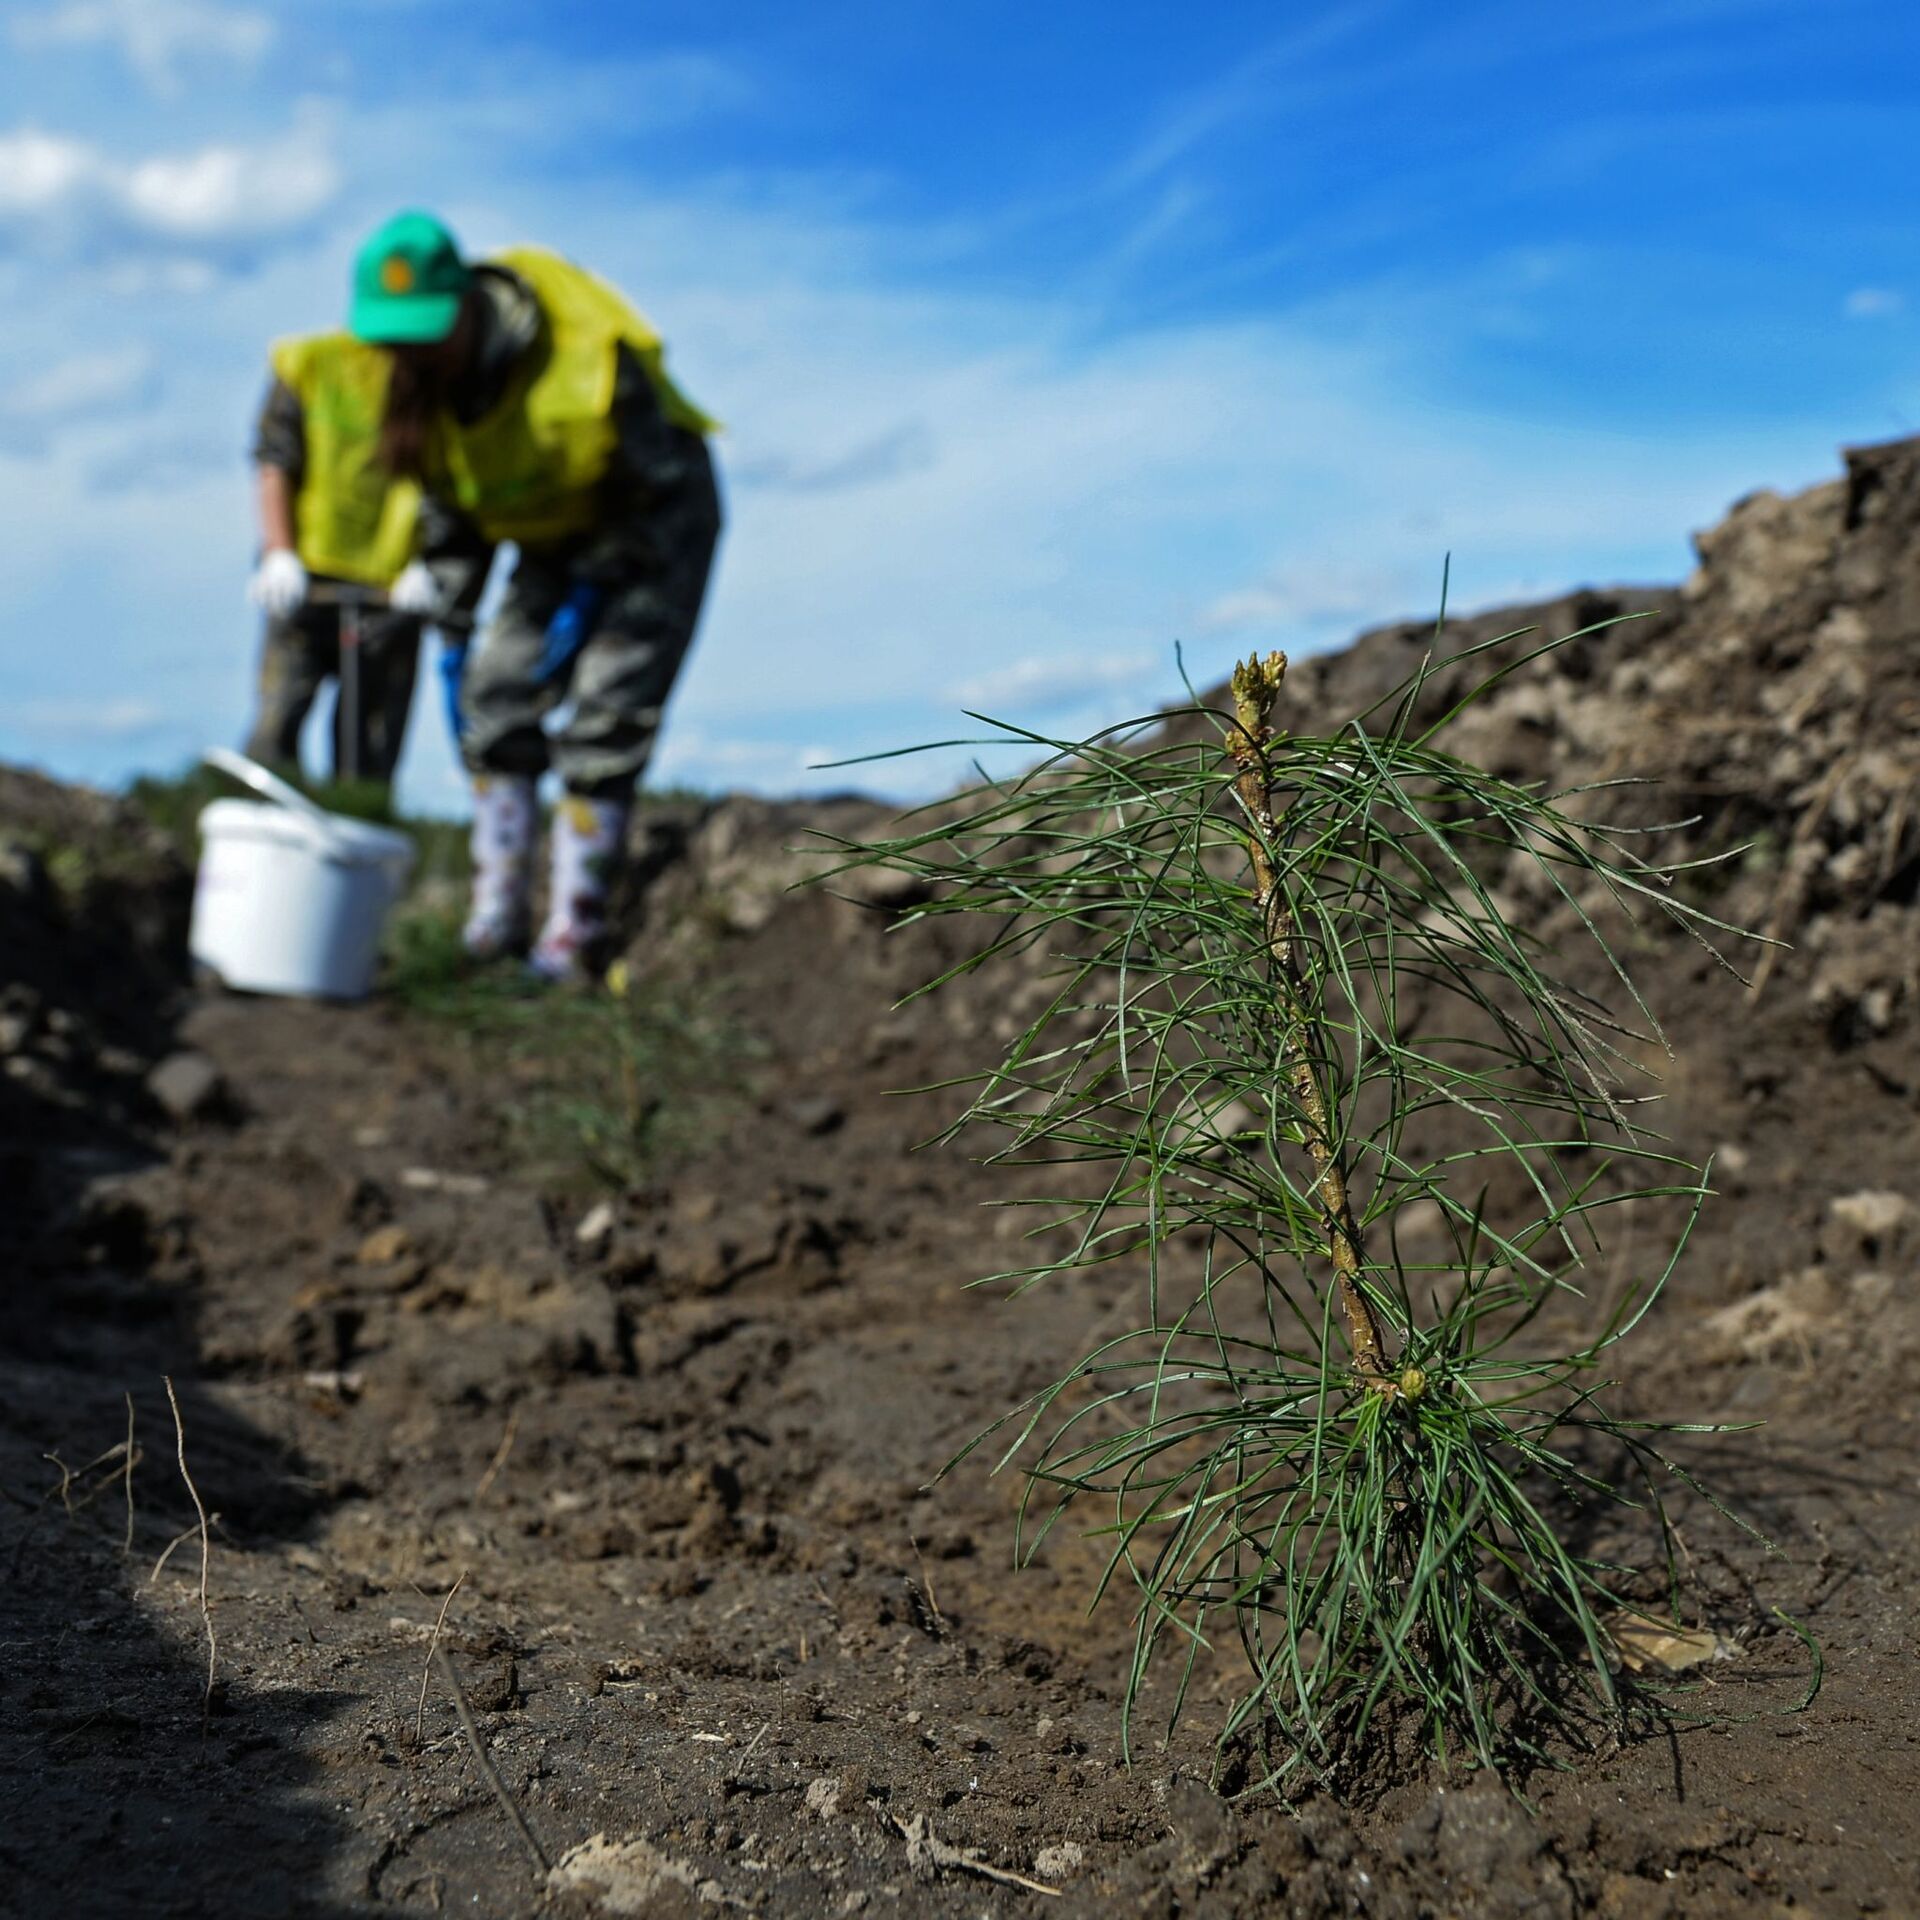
<point>414,390</point>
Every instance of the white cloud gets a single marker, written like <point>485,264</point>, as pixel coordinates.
<point>938,497</point>
<point>1312,595</point>
<point>77,196</point>
<point>1044,686</point>
<point>232,192</point>
<point>907,448</point>
<point>83,384</point>
<point>162,460</point>
<point>1874,303</point>
<point>41,172</point>
<point>691,756</point>
<point>154,37</point>
<point>82,719</point>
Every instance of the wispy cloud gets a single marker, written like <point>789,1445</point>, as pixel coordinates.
<point>160,460</point>
<point>693,756</point>
<point>81,388</point>
<point>1312,596</point>
<point>82,384</point>
<point>975,459</point>
<point>1032,688</point>
<point>1874,303</point>
<point>1248,87</point>
<point>156,38</point>
<point>907,448</point>
<point>108,720</point>
<point>75,196</point>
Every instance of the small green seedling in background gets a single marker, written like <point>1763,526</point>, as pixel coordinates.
<point>1285,1008</point>
<point>599,1091</point>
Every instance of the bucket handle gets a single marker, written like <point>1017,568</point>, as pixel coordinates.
<point>269,786</point>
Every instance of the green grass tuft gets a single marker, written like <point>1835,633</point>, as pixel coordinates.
<point>598,1089</point>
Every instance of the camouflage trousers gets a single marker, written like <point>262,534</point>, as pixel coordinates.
<point>617,683</point>
<point>300,654</point>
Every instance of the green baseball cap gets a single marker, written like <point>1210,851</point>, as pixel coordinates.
<point>408,282</point>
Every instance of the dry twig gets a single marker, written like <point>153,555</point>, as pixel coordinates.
<point>133,1456</point>
<point>65,1488</point>
<point>926,1585</point>
<point>537,1853</point>
<point>62,1489</point>
<point>926,1849</point>
<point>500,1457</point>
<point>206,1552</point>
<point>180,1539</point>
<point>426,1669</point>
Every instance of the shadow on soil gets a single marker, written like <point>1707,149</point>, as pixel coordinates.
<point>120,1794</point>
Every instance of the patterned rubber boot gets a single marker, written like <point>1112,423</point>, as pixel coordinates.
<point>506,824</point>
<point>589,839</point>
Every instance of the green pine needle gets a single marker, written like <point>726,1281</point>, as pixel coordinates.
<point>1395,1543</point>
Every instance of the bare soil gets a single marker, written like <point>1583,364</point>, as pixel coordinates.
<point>711,1603</point>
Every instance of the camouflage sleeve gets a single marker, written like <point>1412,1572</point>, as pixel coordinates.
<point>456,551</point>
<point>657,476</point>
<point>279,435</point>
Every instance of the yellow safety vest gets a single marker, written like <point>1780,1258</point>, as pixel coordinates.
<point>529,470</point>
<point>351,518</point>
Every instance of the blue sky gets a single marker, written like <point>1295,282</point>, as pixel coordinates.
<point>1047,337</point>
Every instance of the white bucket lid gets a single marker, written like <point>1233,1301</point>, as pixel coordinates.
<point>292,820</point>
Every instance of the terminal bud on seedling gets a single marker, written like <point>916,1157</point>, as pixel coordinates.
<point>1274,1002</point>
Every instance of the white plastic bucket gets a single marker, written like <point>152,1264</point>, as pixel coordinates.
<point>290,898</point>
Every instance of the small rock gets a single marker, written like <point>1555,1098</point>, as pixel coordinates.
<point>187,1085</point>
<point>1204,1825</point>
<point>885,887</point>
<point>1874,1214</point>
<point>496,1689</point>
<point>432,1180</point>
<point>1787,1316</point>
<point>1494,1862</point>
<point>385,1247</point>
<point>823,1796</point>
<point>746,909</point>
<point>579,1325</point>
<point>1731,1162</point>
<point>22,870</point>
<point>596,1229</point>
<point>1060,1862</point>
<point>336,1384</point>
<point>628,1877</point>
<point>816,1113</point>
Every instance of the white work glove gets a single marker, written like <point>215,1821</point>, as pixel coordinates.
<point>279,583</point>
<point>416,591</point>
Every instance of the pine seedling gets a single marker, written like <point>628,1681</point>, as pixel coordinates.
<point>1295,1063</point>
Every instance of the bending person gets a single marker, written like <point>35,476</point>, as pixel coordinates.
<point>532,403</point>
<point>336,528</point>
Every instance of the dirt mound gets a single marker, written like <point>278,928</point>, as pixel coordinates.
<point>1770,703</point>
<point>672,1442</point>
<point>93,910</point>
